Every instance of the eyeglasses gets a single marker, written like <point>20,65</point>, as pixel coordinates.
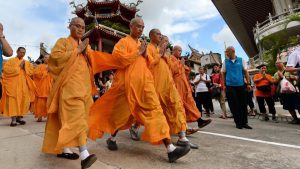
<point>78,26</point>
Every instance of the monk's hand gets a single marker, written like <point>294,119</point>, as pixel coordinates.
<point>182,61</point>
<point>22,64</point>
<point>82,46</point>
<point>142,48</point>
<point>162,48</point>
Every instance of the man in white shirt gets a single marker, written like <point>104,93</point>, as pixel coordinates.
<point>293,63</point>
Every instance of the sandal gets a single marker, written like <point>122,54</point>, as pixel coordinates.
<point>68,156</point>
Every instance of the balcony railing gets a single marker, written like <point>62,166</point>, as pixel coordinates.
<point>112,30</point>
<point>275,19</point>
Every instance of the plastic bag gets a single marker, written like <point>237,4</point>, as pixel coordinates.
<point>286,86</point>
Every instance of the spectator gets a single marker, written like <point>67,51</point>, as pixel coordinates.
<point>289,101</point>
<point>250,99</point>
<point>293,64</point>
<point>233,72</point>
<point>263,92</point>
<point>5,50</point>
<point>109,82</point>
<point>203,95</point>
<point>217,83</point>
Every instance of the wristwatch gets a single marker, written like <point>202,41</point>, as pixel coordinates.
<point>2,37</point>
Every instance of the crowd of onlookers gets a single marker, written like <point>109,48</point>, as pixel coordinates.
<point>283,86</point>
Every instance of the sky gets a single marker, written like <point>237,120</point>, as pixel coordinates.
<point>194,22</point>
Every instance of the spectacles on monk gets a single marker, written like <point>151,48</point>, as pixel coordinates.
<point>78,26</point>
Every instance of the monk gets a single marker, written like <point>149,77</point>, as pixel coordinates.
<point>43,82</point>
<point>184,88</point>
<point>70,97</point>
<point>18,87</point>
<point>132,96</point>
<point>166,90</point>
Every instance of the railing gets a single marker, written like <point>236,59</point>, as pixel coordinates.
<point>275,19</point>
<point>112,30</point>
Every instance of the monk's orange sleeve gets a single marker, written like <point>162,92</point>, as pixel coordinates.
<point>59,56</point>
<point>38,73</point>
<point>10,69</point>
<point>122,56</point>
<point>28,68</point>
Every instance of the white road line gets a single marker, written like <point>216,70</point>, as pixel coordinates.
<point>251,140</point>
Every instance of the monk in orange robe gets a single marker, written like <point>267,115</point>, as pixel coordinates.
<point>43,82</point>
<point>166,90</point>
<point>70,97</point>
<point>18,87</point>
<point>184,88</point>
<point>132,96</point>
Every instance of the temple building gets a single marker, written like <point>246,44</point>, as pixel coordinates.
<point>207,60</point>
<point>107,21</point>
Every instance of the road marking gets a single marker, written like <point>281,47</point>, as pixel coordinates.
<point>251,140</point>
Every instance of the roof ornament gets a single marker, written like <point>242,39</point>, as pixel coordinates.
<point>134,5</point>
<point>77,7</point>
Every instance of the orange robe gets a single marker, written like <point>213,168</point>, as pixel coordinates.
<point>43,82</point>
<point>184,89</point>
<point>18,88</point>
<point>70,97</point>
<point>132,96</point>
<point>166,90</point>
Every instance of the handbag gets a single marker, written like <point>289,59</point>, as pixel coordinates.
<point>264,89</point>
<point>287,86</point>
<point>208,85</point>
<point>215,92</point>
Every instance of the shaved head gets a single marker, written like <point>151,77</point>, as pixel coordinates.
<point>136,27</point>
<point>177,48</point>
<point>77,28</point>
<point>153,31</point>
<point>75,20</point>
<point>136,20</point>
<point>177,51</point>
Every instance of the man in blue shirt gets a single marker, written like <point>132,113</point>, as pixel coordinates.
<point>234,71</point>
<point>5,50</point>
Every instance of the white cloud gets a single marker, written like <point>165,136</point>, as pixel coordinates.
<point>23,26</point>
<point>225,35</point>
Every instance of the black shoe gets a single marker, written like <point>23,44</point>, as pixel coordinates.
<point>13,124</point>
<point>295,121</point>
<point>134,135</point>
<point>239,127</point>
<point>203,123</point>
<point>86,163</point>
<point>112,145</point>
<point>22,122</point>
<point>68,156</point>
<point>187,143</point>
<point>246,126</point>
<point>177,153</point>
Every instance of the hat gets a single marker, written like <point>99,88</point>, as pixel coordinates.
<point>261,65</point>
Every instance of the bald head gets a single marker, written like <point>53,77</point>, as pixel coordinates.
<point>155,36</point>
<point>77,28</point>
<point>136,20</point>
<point>136,27</point>
<point>230,52</point>
<point>177,51</point>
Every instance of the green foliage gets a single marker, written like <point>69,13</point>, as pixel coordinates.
<point>294,18</point>
<point>90,27</point>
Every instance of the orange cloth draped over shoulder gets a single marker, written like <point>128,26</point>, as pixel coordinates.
<point>70,97</point>
<point>43,82</point>
<point>184,89</point>
<point>18,88</point>
<point>132,96</point>
<point>166,91</point>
